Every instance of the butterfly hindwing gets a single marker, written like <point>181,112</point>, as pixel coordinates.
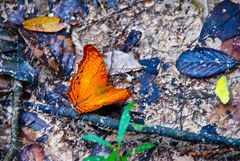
<point>108,97</point>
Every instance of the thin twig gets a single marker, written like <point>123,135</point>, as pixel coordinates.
<point>17,94</point>
<point>102,6</point>
<point>112,124</point>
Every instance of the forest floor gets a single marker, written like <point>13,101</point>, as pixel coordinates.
<point>168,28</point>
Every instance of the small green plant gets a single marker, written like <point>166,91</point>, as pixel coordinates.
<point>116,155</point>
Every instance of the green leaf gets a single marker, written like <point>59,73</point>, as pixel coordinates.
<point>113,156</point>
<point>143,147</point>
<point>123,158</point>
<point>94,158</point>
<point>129,153</point>
<point>124,121</point>
<point>137,127</point>
<point>98,140</point>
<point>138,149</point>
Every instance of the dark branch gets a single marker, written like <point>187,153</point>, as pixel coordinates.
<point>17,94</point>
<point>108,123</point>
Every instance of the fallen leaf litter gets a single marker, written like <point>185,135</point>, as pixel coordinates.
<point>167,31</point>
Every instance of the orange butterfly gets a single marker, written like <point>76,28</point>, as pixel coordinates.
<point>89,88</point>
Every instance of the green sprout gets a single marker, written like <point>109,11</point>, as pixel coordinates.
<point>116,155</point>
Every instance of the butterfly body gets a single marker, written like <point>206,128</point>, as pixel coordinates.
<point>89,88</point>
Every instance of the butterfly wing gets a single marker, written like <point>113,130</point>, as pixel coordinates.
<point>222,90</point>
<point>90,76</point>
<point>96,101</point>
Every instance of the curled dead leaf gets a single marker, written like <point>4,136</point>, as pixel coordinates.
<point>118,62</point>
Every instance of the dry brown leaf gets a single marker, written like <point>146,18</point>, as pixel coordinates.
<point>226,117</point>
<point>44,24</point>
<point>232,47</point>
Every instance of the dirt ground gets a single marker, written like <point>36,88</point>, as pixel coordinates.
<point>168,28</point>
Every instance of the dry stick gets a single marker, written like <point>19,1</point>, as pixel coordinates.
<point>17,94</point>
<point>109,123</point>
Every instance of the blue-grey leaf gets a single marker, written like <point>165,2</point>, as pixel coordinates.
<point>60,88</point>
<point>16,15</point>
<point>204,62</point>
<point>112,3</point>
<point>209,129</point>
<point>55,47</point>
<point>8,40</point>
<point>133,39</point>
<point>149,90</point>
<point>32,120</point>
<point>222,22</point>
<point>150,65</point>
<point>64,52</point>
<point>66,9</point>
<point>18,68</point>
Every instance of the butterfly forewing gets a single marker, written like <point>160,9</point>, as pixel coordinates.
<point>91,75</point>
